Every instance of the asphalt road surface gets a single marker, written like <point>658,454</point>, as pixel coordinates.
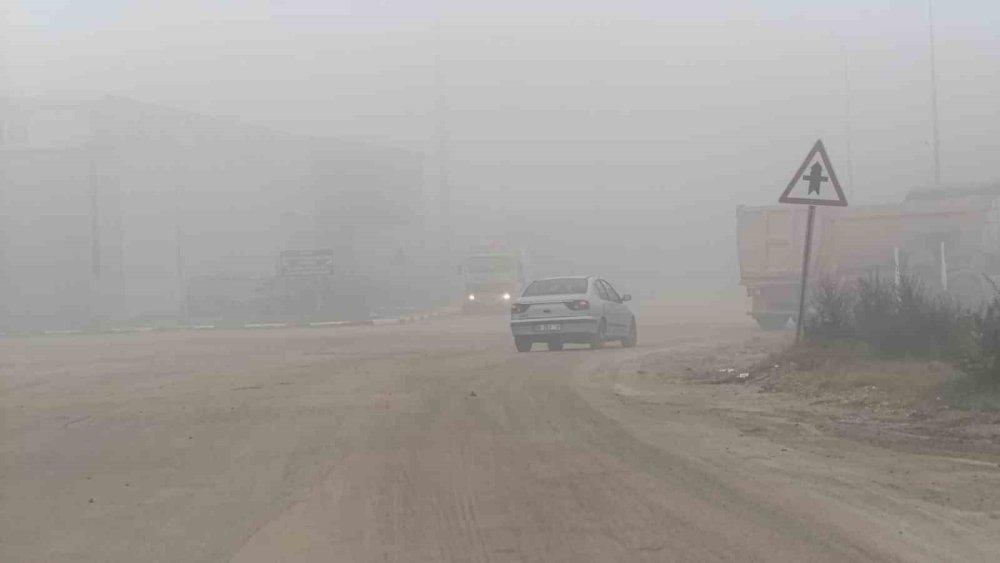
<point>431,442</point>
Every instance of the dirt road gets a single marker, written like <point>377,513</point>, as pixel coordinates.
<point>437,442</point>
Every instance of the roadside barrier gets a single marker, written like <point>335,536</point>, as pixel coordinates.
<point>262,325</point>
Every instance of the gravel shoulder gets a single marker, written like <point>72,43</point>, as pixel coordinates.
<point>929,480</point>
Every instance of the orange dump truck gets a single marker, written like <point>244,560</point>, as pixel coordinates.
<point>948,238</point>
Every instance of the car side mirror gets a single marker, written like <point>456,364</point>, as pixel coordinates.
<point>626,297</point>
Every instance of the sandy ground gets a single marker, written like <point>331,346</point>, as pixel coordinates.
<point>437,442</point>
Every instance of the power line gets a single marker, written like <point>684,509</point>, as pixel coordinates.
<point>934,97</point>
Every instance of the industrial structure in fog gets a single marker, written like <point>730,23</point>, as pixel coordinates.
<point>113,210</point>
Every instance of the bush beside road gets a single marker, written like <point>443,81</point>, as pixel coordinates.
<point>904,320</point>
<point>890,361</point>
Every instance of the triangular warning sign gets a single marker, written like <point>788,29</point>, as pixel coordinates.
<point>815,183</point>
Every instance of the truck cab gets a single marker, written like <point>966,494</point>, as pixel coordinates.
<point>491,280</point>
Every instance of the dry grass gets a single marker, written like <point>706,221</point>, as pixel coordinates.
<point>851,373</point>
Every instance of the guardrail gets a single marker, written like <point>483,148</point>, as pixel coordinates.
<point>262,325</point>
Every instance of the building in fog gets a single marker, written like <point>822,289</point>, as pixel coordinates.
<point>110,208</point>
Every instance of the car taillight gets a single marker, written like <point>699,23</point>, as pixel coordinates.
<point>579,305</point>
<point>518,308</point>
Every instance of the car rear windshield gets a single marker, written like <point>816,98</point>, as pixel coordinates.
<point>558,286</point>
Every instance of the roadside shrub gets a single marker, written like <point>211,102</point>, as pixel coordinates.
<point>905,320</point>
<point>895,319</point>
<point>989,336</point>
<point>832,314</point>
<point>984,359</point>
<point>923,324</point>
<point>874,310</point>
<point>973,392</point>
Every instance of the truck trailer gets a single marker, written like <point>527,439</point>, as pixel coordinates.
<point>948,238</point>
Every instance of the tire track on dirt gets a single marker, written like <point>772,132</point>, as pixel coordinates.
<point>528,462</point>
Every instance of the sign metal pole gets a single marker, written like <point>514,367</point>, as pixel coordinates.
<point>806,258</point>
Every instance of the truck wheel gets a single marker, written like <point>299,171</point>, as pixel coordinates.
<point>772,322</point>
<point>555,346</point>
<point>522,344</point>
<point>633,336</point>
<point>597,342</point>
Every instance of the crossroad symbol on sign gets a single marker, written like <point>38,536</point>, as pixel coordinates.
<point>817,187</point>
<point>815,178</point>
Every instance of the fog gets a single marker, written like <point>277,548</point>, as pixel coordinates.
<point>611,138</point>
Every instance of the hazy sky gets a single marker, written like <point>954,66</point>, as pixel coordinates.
<point>667,113</point>
<point>631,71</point>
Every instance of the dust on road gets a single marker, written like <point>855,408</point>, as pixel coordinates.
<point>432,442</point>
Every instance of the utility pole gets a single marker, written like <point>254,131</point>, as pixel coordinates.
<point>445,227</point>
<point>182,309</point>
<point>96,289</point>
<point>6,106</point>
<point>442,134</point>
<point>934,96</point>
<point>5,285</point>
<point>5,81</point>
<point>95,220</point>
<point>847,123</point>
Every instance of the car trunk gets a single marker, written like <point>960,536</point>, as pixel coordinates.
<point>549,306</point>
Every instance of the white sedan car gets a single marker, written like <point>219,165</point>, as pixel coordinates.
<point>582,310</point>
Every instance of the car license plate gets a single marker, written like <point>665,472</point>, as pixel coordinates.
<point>548,328</point>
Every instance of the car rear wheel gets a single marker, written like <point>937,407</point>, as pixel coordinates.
<point>633,336</point>
<point>555,346</point>
<point>522,344</point>
<point>598,339</point>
